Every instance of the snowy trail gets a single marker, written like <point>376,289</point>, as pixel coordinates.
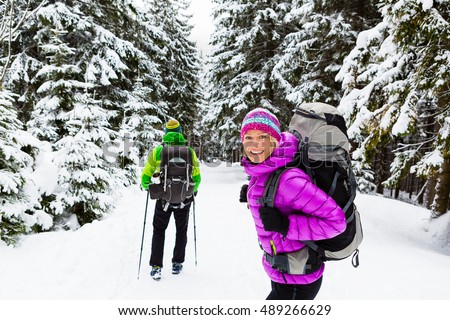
<point>219,249</point>
<point>403,256</point>
<point>399,259</point>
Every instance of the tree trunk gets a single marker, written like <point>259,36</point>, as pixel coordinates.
<point>421,192</point>
<point>441,198</point>
<point>379,168</point>
<point>430,190</point>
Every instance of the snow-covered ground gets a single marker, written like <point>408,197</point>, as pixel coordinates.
<point>403,255</point>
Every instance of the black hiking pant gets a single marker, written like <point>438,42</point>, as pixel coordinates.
<point>160,222</point>
<point>282,291</point>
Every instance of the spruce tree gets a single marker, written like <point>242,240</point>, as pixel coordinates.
<point>19,206</point>
<point>85,180</point>
<point>240,66</point>
<point>321,34</point>
<point>395,82</point>
<point>67,116</point>
<point>16,186</point>
<point>87,75</point>
<point>179,62</point>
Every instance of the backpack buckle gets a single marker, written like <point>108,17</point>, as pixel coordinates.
<point>266,201</point>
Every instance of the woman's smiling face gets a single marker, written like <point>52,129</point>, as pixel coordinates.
<point>258,145</point>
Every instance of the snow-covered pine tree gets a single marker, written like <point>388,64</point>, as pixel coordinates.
<point>144,107</point>
<point>17,216</point>
<point>180,63</point>
<point>245,42</point>
<point>12,163</point>
<point>77,125</point>
<point>86,181</point>
<point>321,34</point>
<point>141,128</point>
<point>207,148</point>
<point>57,82</point>
<point>19,205</point>
<point>127,58</point>
<point>358,69</point>
<point>432,77</point>
<point>396,69</point>
<point>14,13</point>
<point>107,73</point>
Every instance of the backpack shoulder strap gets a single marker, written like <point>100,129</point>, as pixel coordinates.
<point>301,159</point>
<point>165,154</point>
<point>353,187</point>
<point>190,156</point>
<point>271,187</point>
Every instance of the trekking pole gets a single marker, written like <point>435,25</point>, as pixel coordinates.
<point>195,232</point>
<point>143,232</point>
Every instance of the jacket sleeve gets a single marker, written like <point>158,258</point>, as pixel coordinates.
<point>150,167</point>
<point>196,177</point>
<point>315,215</point>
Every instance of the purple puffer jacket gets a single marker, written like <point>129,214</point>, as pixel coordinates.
<point>320,218</point>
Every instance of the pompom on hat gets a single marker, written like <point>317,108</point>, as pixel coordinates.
<point>172,126</point>
<point>261,119</point>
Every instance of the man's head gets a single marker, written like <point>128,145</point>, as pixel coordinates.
<point>172,126</point>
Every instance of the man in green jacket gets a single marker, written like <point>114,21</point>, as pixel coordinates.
<point>163,211</point>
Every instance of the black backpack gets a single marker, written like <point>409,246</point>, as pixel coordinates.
<point>175,175</point>
<point>323,153</point>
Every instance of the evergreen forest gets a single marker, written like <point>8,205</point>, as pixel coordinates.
<point>87,85</point>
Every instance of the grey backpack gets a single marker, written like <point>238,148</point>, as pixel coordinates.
<point>175,175</point>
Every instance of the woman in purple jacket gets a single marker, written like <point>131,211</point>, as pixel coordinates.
<point>301,210</point>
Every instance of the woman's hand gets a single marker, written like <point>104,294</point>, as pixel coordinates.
<point>273,220</point>
<point>243,194</point>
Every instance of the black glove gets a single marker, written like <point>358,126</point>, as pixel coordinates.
<point>273,220</point>
<point>243,194</point>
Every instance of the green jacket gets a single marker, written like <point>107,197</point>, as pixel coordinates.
<point>154,159</point>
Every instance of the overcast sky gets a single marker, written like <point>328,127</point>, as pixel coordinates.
<point>202,21</point>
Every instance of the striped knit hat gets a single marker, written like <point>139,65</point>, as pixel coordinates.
<point>172,126</point>
<point>261,119</point>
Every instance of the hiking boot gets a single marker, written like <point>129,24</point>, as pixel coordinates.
<point>156,273</point>
<point>176,268</point>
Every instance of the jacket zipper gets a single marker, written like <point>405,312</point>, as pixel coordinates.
<point>274,249</point>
